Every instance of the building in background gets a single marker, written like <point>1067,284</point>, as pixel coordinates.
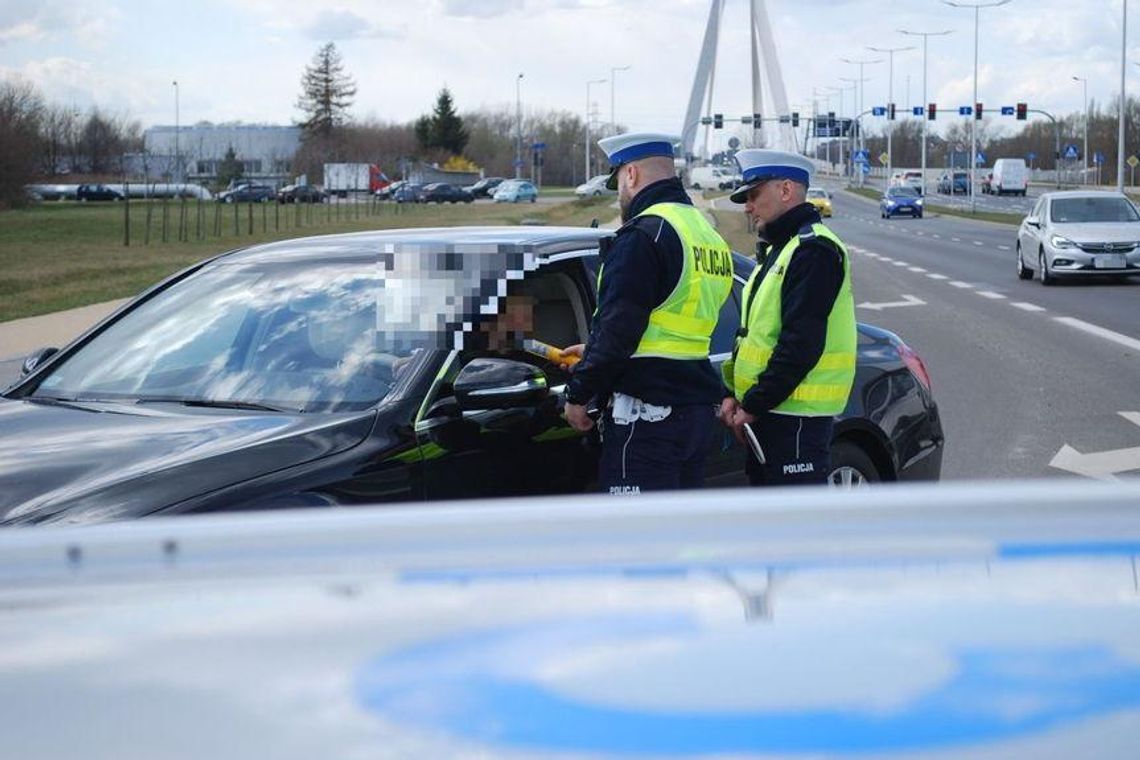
<point>194,153</point>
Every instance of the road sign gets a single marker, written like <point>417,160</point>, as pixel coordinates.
<point>1007,110</point>
<point>539,145</point>
<point>965,110</point>
<point>1098,158</point>
<point>883,158</point>
<point>879,111</point>
<point>1031,156</point>
<point>865,167</point>
<point>1070,152</point>
<point>861,156</point>
<point>918,111</point>
<point>519,162</point>
<point>980,159</point>
<point>1132,161</point>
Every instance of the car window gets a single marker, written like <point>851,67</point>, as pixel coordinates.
<point>1088,209</point>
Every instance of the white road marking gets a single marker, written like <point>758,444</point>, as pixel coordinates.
<point>915,269</point>
<point>956,240</point>
<point>990,294</point>
<point>1027,306</point>
<point>935,276</point>
<point>1101,465</point>
<point>936,235</point>
<point>899,263</point>
<point>1004,247</point>
<point>1100,332</point>
<point>960,284</point>
<point>908,301</point>
<point>978,242</point>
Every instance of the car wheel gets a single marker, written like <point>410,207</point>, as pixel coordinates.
<point>534,199</point>
<point>1023,272</point>
<point>851,467</point>
<point>1046,277</point>
<point>918,215</point>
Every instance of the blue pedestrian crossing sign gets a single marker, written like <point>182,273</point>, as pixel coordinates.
<point>965,110</point>
<point>1071,152</point>
<point>1098,158</point>
<point>917,110</point>
<point>980,159</point>
<point>861,157</point>
<point>1031,156</point>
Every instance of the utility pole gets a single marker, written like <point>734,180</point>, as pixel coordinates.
<point>925,103</point>
<point>588,84</point>
<point>1085,118</point>
<point>177,152</point>
<point>860,64</point>
<point>890,101</point>
<point>613,85</point>
<point>518,126</point>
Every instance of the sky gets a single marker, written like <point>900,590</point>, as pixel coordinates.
<point>242,61</point>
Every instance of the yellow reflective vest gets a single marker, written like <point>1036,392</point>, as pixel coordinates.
<point>681,326</point>
<point>824,391</point>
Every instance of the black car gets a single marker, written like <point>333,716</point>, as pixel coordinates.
<point>97,193</point>
<point>443,192</point>
<point>485,187</point>
<point>408,192</point>
<point>301,194</point>
<point>350,369</point>
<point>248,194</point>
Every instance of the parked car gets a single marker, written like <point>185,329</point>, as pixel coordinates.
<point>1079,233</point>
<point>301,194</point>
<point>97,193</point>
<point>900,200</point>
<point>594,187</point>
<point>485,187</point>
<point>515,191</point>
<point>442,192</point>
<point>336,370</point>
<point>248,194</point>
<point>952,183</point>
<point>408,192</point>
<point>820,198</point>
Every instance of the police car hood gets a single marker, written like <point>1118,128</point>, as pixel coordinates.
<point>95,462</point>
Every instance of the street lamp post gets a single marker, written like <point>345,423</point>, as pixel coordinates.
<point>860,64</point>
<point>925,36</point>
<point>177,152</point>
<point>1085,161</point>
<point>853,85</point>
<point>1123,102</point>
<point>816,93</point>
<point>518,126</point>
<point>587,151</point>
<point>890,99</point>
<point>613,84</point>
<point>974,121</point>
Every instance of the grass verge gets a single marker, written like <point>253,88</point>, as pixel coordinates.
<point>57,256</point>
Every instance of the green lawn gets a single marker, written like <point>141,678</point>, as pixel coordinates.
<point>59,255</point>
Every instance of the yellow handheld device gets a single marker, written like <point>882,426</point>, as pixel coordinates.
<point>549,352</point>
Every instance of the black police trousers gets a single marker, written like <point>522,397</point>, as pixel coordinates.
<point>657,456</point>
<point>797,450</point>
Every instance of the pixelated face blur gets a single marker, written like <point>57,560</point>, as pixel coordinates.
<point>768,201</point>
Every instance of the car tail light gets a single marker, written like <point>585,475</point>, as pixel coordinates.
<point>914,364</point>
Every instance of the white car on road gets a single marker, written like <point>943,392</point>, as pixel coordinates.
<point>1077,233</point>
<point>594,187</point>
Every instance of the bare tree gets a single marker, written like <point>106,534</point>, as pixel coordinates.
<point>21,111</point>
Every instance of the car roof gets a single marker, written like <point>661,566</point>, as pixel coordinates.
<point>1083,194</point>
<point>542,241</point>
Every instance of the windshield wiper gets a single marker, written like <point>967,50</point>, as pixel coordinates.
<point>217,404</point>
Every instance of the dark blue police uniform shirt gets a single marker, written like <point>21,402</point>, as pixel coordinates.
<point>641,269</point>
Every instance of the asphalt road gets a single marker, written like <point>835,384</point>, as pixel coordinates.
<point>1020,371</point>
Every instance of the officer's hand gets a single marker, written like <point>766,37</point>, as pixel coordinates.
<point>577,417</point>
<point>739,419</point>
<point>574,350</point>
<point>727,411</point>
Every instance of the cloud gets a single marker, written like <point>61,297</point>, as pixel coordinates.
<point>481,8</point>
<point>345,25</point>
<point>27,22</point>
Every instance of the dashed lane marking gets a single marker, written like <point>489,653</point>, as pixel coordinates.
<point>960,284</point>
<point>1100,332</point>
<point>935,276</point>
<point>1004,247</point>
<point>956,240</point>
<point>978,242</point>
<point>1027,306</point>
<point>899,263</point>
<point>990,294</point>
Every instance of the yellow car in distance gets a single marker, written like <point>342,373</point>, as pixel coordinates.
<point>820,198</point>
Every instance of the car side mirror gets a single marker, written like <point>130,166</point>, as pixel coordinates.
<point>36,359</point>
<point>493,383</point>
<point>1033,223</point>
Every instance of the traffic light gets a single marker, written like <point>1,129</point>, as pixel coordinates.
<point>795,118</point>
<point>977,112</point>
<point>891,111</point>
<point>931,111</point>
<point>757,120</point>
<point>1022,111</point>
<point>718,121</point>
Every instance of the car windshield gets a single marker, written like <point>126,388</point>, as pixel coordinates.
<point>903,192</point>
<point>1082,210</point>
<point>814,193</point>
<point>335,336</point>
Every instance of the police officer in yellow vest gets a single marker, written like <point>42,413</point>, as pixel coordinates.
<point>794,361</point>
<point>661,286</point>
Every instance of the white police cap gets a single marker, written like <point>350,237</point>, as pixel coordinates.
<point>633,146</point>
<point>759,165</point>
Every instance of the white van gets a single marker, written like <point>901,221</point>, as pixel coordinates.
<point>710,178</point>
<point>1010,176</point>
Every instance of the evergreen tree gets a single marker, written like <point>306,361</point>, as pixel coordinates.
<point>444,128</point>
<point>230,168</point>
<point>326,93</point>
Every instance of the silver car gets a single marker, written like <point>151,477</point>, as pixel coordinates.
<point>1079,232</point>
